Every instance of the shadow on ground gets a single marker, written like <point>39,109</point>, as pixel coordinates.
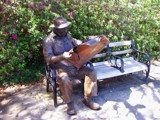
<point>125,97</point>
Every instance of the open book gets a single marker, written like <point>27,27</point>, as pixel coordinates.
<point>84,52</point>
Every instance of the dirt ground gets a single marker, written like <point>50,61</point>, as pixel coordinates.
<point>122,98</point>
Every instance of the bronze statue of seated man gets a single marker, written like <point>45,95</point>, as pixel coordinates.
<point>56,47</point>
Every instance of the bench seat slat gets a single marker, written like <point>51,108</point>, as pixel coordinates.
<point>100,55</point>
<point>106,62</point>
<point>104,70</point>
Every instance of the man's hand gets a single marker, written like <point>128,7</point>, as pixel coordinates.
<point>66,55</point>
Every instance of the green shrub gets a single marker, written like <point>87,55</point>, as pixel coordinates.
<point>25,23</point>
<point>23,26</point>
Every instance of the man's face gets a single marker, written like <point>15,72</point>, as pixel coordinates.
<point>60,32</point>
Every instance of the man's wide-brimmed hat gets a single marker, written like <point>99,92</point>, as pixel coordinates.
<point>60,22</point>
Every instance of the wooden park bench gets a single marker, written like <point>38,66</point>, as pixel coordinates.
<point>119,58</point>
<point>122,61</point>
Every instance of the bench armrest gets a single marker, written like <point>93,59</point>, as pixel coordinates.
<point>143,57</point>
<point>52,80</point>
<point>90,64</point>
<point>53,72</point>
<point>50,74</point>
<point>115,64</point>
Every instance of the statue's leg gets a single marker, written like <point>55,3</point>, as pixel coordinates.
<point>65,85</point>
<point>90,81</point>
<point>90,87</point>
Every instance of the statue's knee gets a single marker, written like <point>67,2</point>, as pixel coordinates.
<point>65,78</point>
<point>63,81</point>
<point>93,76</point>
<point>93,73</point>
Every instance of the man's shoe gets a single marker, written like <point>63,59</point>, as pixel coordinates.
<point>91,104</point>
<point>71,110</point>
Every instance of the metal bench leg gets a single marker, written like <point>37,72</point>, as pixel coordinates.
<point>47,85</point>
<point>55,93</point>
<point>147,74</point>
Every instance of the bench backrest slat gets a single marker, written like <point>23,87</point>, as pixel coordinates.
<point>122,52</point>
<point>122,43</point>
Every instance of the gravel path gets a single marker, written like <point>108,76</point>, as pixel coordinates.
<point>121,98</point>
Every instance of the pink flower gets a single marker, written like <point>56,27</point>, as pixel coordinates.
<point>5,33</point>
<point>31,5</point>
<point>42,3</point>
<point>58,1</point>
<point>54,8</point>
<point>13,25</point>
<point>67,4</point>
<point>3,10</point>
<point>105,6</point>
<point>110,33</point>
<point>14,36</point>
<point>6,3</point>
<point>13,45</point>
<point>74,8</point>
<point>2,42</point>
<point>70,14</point>
<point>41,6</point>
<point>20,57</point>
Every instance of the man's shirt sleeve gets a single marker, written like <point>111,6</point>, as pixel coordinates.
<point>47,50</point>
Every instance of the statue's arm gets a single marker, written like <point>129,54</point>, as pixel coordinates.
<point>48,52</point>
